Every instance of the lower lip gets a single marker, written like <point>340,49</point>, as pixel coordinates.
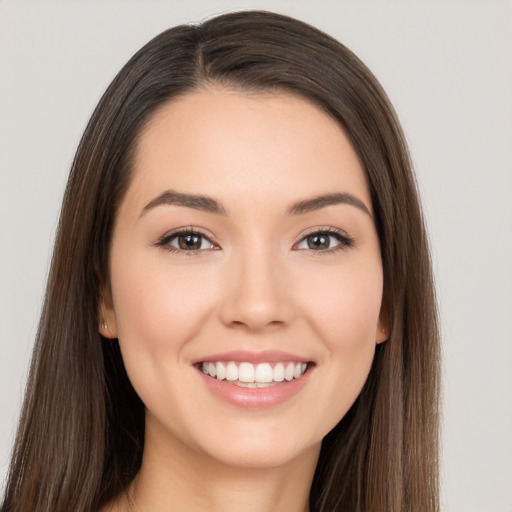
<point>252,398</point>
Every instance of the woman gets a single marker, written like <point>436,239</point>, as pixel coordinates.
<point>240,310</point>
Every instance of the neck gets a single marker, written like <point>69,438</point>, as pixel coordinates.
<point>182,479</point>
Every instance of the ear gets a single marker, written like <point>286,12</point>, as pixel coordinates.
<point>382,333</point>
<point>107,317</point>
<point>382,327</point>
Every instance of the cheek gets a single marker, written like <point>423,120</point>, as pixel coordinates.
<point>343,311</point>
<point>344,304</point>
<point>158,310</point>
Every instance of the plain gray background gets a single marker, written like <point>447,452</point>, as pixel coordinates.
<point>447,66</point>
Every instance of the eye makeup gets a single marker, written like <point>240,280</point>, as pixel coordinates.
<point>192,240</point>
<point>320,239</point>
<point>187,240</point>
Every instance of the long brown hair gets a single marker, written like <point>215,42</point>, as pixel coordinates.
<point>81,432</point>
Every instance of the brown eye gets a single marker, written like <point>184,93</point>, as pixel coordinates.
<point>186,241</point>
<point>189,242</point>
<point>324,241</point>
<point>318,241</point>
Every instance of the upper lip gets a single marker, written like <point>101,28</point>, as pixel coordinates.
<point>265,356</point>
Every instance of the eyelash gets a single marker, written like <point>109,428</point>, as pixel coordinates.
<point>165,240</point>
<point>344,240</point>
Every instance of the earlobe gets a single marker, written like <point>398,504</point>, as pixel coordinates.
<point>106,331</point>
<point>382,328</point>
<point>382,333</point>
<point>107,317</point>
<point>383,325</point>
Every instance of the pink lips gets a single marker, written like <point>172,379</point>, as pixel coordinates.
<point>253,397</point>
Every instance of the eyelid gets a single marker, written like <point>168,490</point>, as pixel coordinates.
<point>164,240</point>
<point>344,238</point>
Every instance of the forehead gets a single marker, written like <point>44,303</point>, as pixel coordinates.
<point>226,143</point>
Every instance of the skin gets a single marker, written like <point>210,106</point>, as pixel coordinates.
<point>256,286</point>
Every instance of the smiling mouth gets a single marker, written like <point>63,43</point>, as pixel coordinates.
<point>248,375</point>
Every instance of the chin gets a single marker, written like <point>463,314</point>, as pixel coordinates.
<point>256,444</point>
<point>254,455</point>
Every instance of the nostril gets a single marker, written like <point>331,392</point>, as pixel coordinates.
<point>255,326</point>
<point>239,325</point>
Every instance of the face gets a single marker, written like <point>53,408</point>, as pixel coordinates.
<point>245,277</point>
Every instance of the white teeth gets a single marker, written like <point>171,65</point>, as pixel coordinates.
<point>264,373</point>
<point>232,371</point>
<point>246,372</point>
<point>279,372</point>
<point>250,375</point>
<point>221,371</point>
<point>289,371</point>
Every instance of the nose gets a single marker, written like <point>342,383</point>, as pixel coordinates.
<point>256,295</point>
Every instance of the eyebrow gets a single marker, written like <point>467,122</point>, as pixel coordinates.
<point>198,202</point>
<point>322,201</point>
<point>210,205</point>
